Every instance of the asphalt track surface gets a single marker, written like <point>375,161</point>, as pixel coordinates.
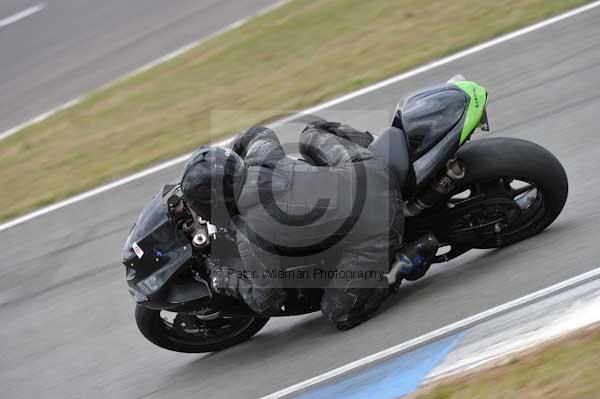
<point>68,328</point>
<point>72,46</point>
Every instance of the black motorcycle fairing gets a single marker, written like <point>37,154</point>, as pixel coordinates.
<point>155,251</point>
<point>428,115</point>
<point>434,160</point>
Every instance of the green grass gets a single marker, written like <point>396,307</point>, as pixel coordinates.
<point>568,369</point>
<point>295,56</point>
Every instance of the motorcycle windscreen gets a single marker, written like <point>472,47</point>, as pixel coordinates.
<point>154,242</point>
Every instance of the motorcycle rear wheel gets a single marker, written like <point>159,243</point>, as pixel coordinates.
<point>496,163</point>
<point>188,334</point>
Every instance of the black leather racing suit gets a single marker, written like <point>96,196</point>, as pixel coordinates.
<point>343,199</point>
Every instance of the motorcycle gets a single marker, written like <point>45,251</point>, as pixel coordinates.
<point>486,193</point>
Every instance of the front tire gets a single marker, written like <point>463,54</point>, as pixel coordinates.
<point>172,336</point>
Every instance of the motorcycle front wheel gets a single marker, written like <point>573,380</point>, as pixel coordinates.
<point>193,334</point>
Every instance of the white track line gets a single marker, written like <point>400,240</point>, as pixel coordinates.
<point>143,68</point>
<point>20,15</point>
<point>442,332</point>
<point>335,101</point>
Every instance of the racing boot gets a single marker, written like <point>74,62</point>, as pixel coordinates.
<point>351,322</point>
<point>359,316</point>
<point>413,261</point>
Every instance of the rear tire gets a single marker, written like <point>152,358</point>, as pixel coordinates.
<point>153,327</point>
<point>523,160</point>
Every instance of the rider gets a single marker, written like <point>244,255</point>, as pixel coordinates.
<point>342,197</point>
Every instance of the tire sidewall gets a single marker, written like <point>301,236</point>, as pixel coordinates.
<point>149,324</point>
